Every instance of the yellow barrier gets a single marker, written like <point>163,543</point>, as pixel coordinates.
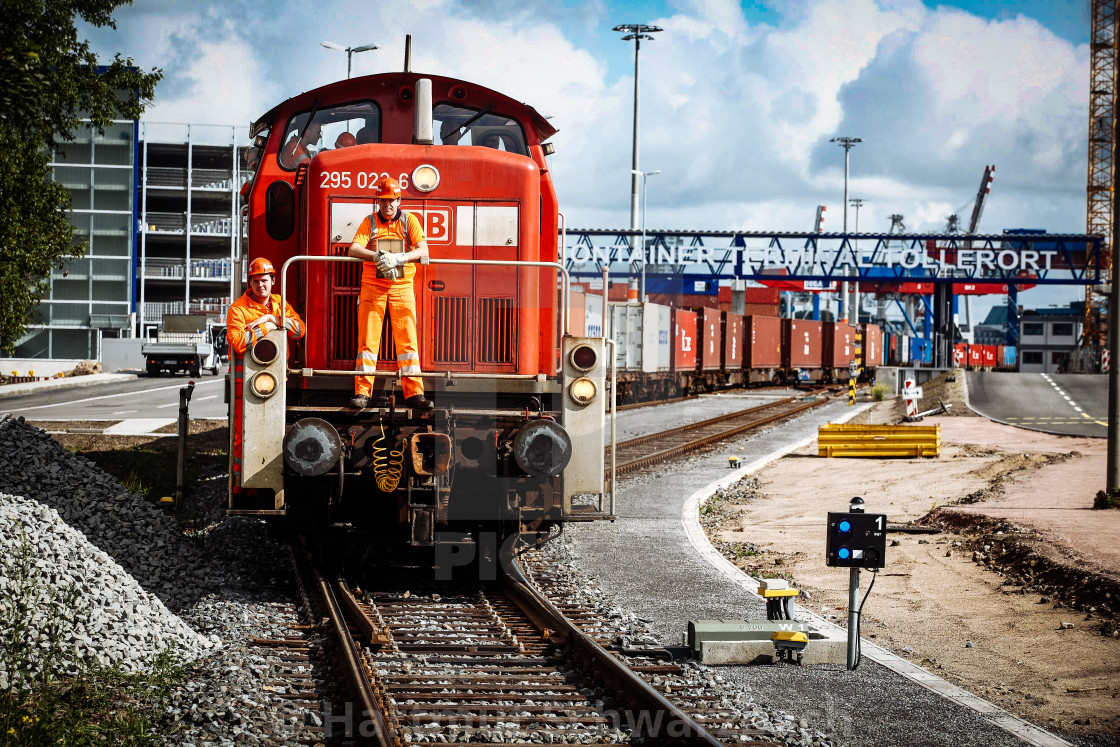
<point>879,440</point>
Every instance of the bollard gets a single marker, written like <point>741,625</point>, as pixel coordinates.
<point>184,423</point>
<point>908,396</point>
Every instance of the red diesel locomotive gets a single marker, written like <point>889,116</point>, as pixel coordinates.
<point>515,444</point>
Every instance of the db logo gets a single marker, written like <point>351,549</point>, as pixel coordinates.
<point>437,224</point>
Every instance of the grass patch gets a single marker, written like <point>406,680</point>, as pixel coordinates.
<point>149,470</point>
<point>879,392</point>
<point>42,701</point>
<point>1105,500</point>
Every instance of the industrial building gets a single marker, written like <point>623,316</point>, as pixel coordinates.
<point>1048,337</point>
<point>158,205</point>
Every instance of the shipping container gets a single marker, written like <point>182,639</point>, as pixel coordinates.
<point>732,359</point>
<point>960,355</point>
<point>763,342</point>
<point>838,345</point>
<point>906,350</point>
<point>871,346</point>
<point>801,344</point>
<point>593,316</point>
<point>684,340</point>
<point>1009,357</point>
<point>975,359</point>
<point>626,331</point>
<point>709,331</point>
<point>658,335</point>
<point>988,356</point>
<point>576,321</point>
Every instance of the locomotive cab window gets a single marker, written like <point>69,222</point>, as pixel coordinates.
<point>455,125</point>
<point>332,127</point>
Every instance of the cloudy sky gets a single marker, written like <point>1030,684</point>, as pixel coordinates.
<point>738,100</point>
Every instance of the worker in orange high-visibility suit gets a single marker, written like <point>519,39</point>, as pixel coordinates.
<point>257,312</point>
<point>387,283</point>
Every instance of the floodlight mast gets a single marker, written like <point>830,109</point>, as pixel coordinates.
<point>847,143</point>
<point>636,32</point>
<point>349,52</point>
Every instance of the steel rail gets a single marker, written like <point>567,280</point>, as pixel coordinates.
<point>704,423</point>
<point>352,657</point>
<point>642,696</point>
<point>674,451</point>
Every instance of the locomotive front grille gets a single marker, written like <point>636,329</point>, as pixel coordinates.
<point>495,331</point>
<point>452,320</point>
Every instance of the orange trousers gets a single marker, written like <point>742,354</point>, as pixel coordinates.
<point>400,299</point>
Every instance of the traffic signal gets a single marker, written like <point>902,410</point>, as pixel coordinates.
<point>856,540</point>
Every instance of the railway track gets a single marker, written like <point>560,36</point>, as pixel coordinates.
<point>499,664</point>
<point>644,451</point>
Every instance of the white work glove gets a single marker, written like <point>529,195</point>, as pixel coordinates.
<point>387,261</point>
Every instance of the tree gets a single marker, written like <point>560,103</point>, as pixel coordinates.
<point>49,82</point>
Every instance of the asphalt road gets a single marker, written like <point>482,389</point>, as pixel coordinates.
<point>1065,404</point>
<point>143,398</point>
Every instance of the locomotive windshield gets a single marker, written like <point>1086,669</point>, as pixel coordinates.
<point>455,125</point>
<point>332,127</point>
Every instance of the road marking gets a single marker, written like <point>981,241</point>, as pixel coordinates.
<point>137,426</point>
<point>173,404</point>
<point>203,399</point>
<point>125,412</point>
<point>122,394</point>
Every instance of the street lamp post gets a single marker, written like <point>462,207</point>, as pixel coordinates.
<point>644,175</point>
<point>847,143</point>
<point>349,52</point>
<point>637,32</point>
<point>858,202</point>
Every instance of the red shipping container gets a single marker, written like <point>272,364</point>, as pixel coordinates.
<point>763,342</point>
<point>576,313</point>
<point>960,354</point>
<point>801,343</point>
<point>684,340</point>
<point>975,359</point>
<point>872,346</point>
<point>732,341</point>
<point>988,356</point>
<point>839,344</point>
<point>710,348</point>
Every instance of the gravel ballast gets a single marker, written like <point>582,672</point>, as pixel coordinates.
<point>76,599</point>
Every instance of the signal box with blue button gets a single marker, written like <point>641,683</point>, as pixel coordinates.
<point>856,540</point>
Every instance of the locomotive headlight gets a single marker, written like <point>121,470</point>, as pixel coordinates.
<point>264,351</point>
<point>582,390</point>
<point>583,357</point>
<point>425,178</point>
<point>263,384</point>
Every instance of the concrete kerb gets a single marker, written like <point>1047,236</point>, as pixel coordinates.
<point>690,519</point>
<point>31,387</point>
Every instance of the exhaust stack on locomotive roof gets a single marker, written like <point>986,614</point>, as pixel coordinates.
<point>422,129</point>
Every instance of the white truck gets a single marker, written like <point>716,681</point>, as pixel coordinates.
<point>186,342</point>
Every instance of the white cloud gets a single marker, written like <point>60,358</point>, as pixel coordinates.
<point>735,114</point>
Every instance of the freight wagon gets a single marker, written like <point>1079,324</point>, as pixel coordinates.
<point>664,351</point>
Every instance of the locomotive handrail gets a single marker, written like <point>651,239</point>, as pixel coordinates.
<point>324,258</point>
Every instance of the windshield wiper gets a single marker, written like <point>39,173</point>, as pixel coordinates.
<point>444,131</point>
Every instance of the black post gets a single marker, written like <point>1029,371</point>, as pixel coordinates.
<point>184,424</point>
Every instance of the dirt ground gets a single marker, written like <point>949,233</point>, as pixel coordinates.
<point>1016,597</point>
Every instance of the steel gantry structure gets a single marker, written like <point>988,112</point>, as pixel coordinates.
<point>1102,120</point>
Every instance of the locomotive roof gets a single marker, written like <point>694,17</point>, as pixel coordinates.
<point>371,85</point>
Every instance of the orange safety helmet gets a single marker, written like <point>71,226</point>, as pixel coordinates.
<point>261,266</point>
<point>345,140</point>
<point>388,188</point>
